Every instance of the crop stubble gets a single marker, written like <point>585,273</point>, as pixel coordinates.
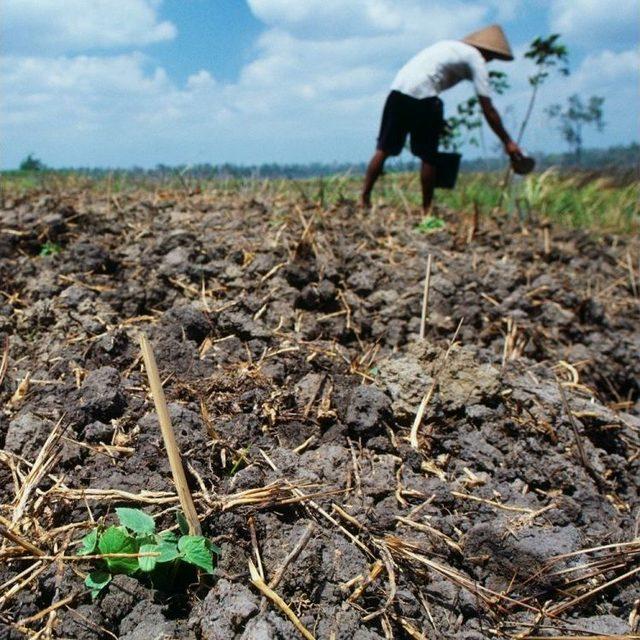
<point>288,342</point>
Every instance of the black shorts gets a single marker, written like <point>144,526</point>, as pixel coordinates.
<point>422,118</point>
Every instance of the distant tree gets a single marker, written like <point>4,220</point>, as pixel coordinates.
<point>547,54</point>
<point>32,164</point>
<point>575,117</point>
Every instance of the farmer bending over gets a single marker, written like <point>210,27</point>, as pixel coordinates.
<point>413,106</point>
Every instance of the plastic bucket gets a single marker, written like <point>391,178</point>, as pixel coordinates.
<point>447,167</point>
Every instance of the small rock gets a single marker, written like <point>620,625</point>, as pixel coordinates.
<point>606,625</point>
<point>146,622</point>
<point>177,261</point>
<point>362,282</point>
<point>25,435</point>
<point>97,432</point>
<point>121,597</point>
<point>299,274</point>
<point>101,396</point>
<point>528,550</point>
<point>368,410</point>
<point>225,609</point>
<point>190,320</point>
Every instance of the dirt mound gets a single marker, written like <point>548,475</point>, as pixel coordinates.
<point>462,380</point>
<point>287,339</point>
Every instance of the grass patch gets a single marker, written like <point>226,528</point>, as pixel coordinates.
<point>603,202</point>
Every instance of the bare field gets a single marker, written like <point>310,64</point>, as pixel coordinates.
<point>287,335</point>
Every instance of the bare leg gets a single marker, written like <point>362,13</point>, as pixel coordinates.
<point>374,170</point>
<point>427,180</point>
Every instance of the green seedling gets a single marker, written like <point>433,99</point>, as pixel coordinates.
<point>430,224</point>
<point>240,462</point>
<point>50,249</point>
<point>134,548</point>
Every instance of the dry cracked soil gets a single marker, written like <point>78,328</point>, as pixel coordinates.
<point>287,338</point>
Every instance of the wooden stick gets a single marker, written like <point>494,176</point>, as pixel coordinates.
<point>576,432</point>
<point>475,223</point>
<point>41,614</point>
<point>632,280</point>
<point>5,360</point>
<point>554,611</point>
<point>493,503</point>
<point>35,570</point>
<point>6,531</point>
<point>173,452</point>
<point>254,544</point>
<point>413,436</point>
<point>45,459</point>
<point>509,340</point>
<point>260,584</point>
<point>547,240</point>
<point>293,554</point>
<point>425,298</point>
<point>375,571</point>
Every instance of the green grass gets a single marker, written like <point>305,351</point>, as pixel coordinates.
<point>578,200</point>
<point>598,201</point>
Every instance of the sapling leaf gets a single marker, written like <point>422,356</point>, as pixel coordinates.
<point>97,581</point>
<point>89,543</point>
<point>117,540</point>
<point>136,520</point>
<point>194,551</point>
<point>183,525</point>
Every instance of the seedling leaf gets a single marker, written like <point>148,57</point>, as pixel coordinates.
<point>168,536</point>
<point>168,552</point>
<point>148,563</point>
<point>50,249</point>
<point>431,224</point>
<point>183,525</point>
<point>116,540</point>
<point>97,581</point>
<point>214,548</point>
<point>89,543</point>
<point>194,551</point>
<point>136,520</point>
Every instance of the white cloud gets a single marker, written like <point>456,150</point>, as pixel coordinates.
<point>34,26</point>
<point>595,23</point>
<point>335,19</point>
<point>313,91</point>
<point>611,70</point>
<point>122,110</point>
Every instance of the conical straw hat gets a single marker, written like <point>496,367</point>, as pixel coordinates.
<point>491,39</point>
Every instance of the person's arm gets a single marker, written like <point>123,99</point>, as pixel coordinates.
<point>495,122</point>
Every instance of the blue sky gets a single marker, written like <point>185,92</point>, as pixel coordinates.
<point>142,82</point>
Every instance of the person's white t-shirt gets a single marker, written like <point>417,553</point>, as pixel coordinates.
<point>441,66</point>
